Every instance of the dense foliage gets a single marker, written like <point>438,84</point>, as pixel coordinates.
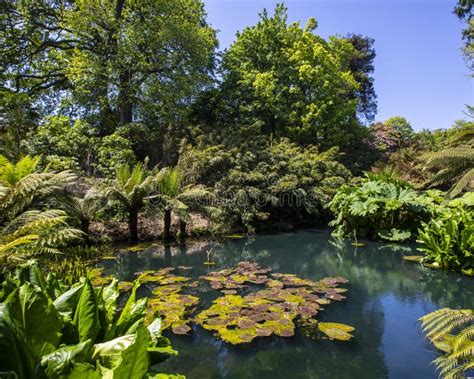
<point>382,207</point>
<point>447,241</point>
<point>85,334</point>
<point>268,186</point>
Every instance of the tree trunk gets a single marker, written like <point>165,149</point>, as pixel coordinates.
<point>182,228</point>
<point>167,225</point>
<point>85,229</point>
<point>125,101</point>
<point>133,225</point>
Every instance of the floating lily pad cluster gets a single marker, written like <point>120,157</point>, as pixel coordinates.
<point>168,301</point>
<point>230,280</point>
<point>274,310</point>
<point>98,279</point>
<point>255,302</point>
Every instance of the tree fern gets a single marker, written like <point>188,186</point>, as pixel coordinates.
<point>452,331</point>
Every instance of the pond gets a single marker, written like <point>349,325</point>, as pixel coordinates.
<point>386,295</point>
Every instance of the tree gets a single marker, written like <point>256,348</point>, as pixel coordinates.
<point>361,65</point>
<point>464,10</point>
<point>288,82</point>
<point>106,61</point>
<point>173,196</point>
<point>130,188</point>
<point>403,127</point>
<point>83,209</point>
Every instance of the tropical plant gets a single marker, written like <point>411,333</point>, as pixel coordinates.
<point>83,209</point>
<point>447,241</point>
<point>173,196</point>
<point>381,206</point>
<point>25,231</point>
<point>85,334</point>
<point>11,173</point>
<point>452,332</point>
<point>35,233</point>
<point>131,187</point>
<point>455,164</point>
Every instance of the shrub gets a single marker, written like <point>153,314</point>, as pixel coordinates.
<point>448,240</point>
<point>382,206</point>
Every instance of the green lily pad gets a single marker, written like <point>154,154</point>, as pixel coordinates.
<point>336,331</point>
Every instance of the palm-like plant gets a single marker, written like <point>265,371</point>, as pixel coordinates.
<point>455,164</point>
<point>33,233</point>
<point>25,232</point>
<point>452,331</point>
<point>174,197</point>
<point>83,209</point>
<point>131,187</point>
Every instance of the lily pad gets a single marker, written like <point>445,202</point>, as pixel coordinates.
<point>336,331</point>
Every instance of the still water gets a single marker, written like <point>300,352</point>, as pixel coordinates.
<point>386,297</point>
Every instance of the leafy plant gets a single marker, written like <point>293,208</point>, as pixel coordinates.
<point>381,206</point>
<point>448,240</point>
<point>173,196</point>
<point>455,164</point>
<point>452,332</point>
<point>131,187</point>
<point>85,335</point>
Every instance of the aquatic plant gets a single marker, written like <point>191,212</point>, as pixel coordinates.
<point>287,299</point>
<point>167,301</point>
<point>452,332</point>
<point>85,334</point>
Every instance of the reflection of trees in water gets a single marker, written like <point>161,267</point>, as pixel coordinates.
<point>373,271</point>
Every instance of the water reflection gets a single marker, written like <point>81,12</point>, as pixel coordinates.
<point>386,296</point>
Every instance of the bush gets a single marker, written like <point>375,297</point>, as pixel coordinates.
<point>266,186</point>
<point>85,335</point>
<point>448,240</point>
<point>382,206</point>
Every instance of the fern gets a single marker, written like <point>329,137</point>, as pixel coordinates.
<point>456,329</point>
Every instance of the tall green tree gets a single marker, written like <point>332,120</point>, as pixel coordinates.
<point>288,81</point>
<point>106,60</point>
<point>464,10</point>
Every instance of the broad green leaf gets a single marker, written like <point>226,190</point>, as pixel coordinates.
<point>132,314</point>
<point>126,356</point>
<point>13,356</point>
<point>61,361</point>
<point>394,235</point>
<point>67,302</point>
<point>86,317</point>
<point>83,371</point>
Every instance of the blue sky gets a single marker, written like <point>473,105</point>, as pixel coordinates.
<point>419,69</point>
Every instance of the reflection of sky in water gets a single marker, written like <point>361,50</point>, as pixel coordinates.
<point>403,359</point>
<point>386,297</point>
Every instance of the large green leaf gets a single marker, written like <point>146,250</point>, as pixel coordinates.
<point>30,273</point>
<point>84,370</point>
<point>124,357</point>
<point>132,314</point>
<point>86,317</point>
<point>30,328</point>
<point>64,359</point>
<point>12,356</point>
<point>67,302</point>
